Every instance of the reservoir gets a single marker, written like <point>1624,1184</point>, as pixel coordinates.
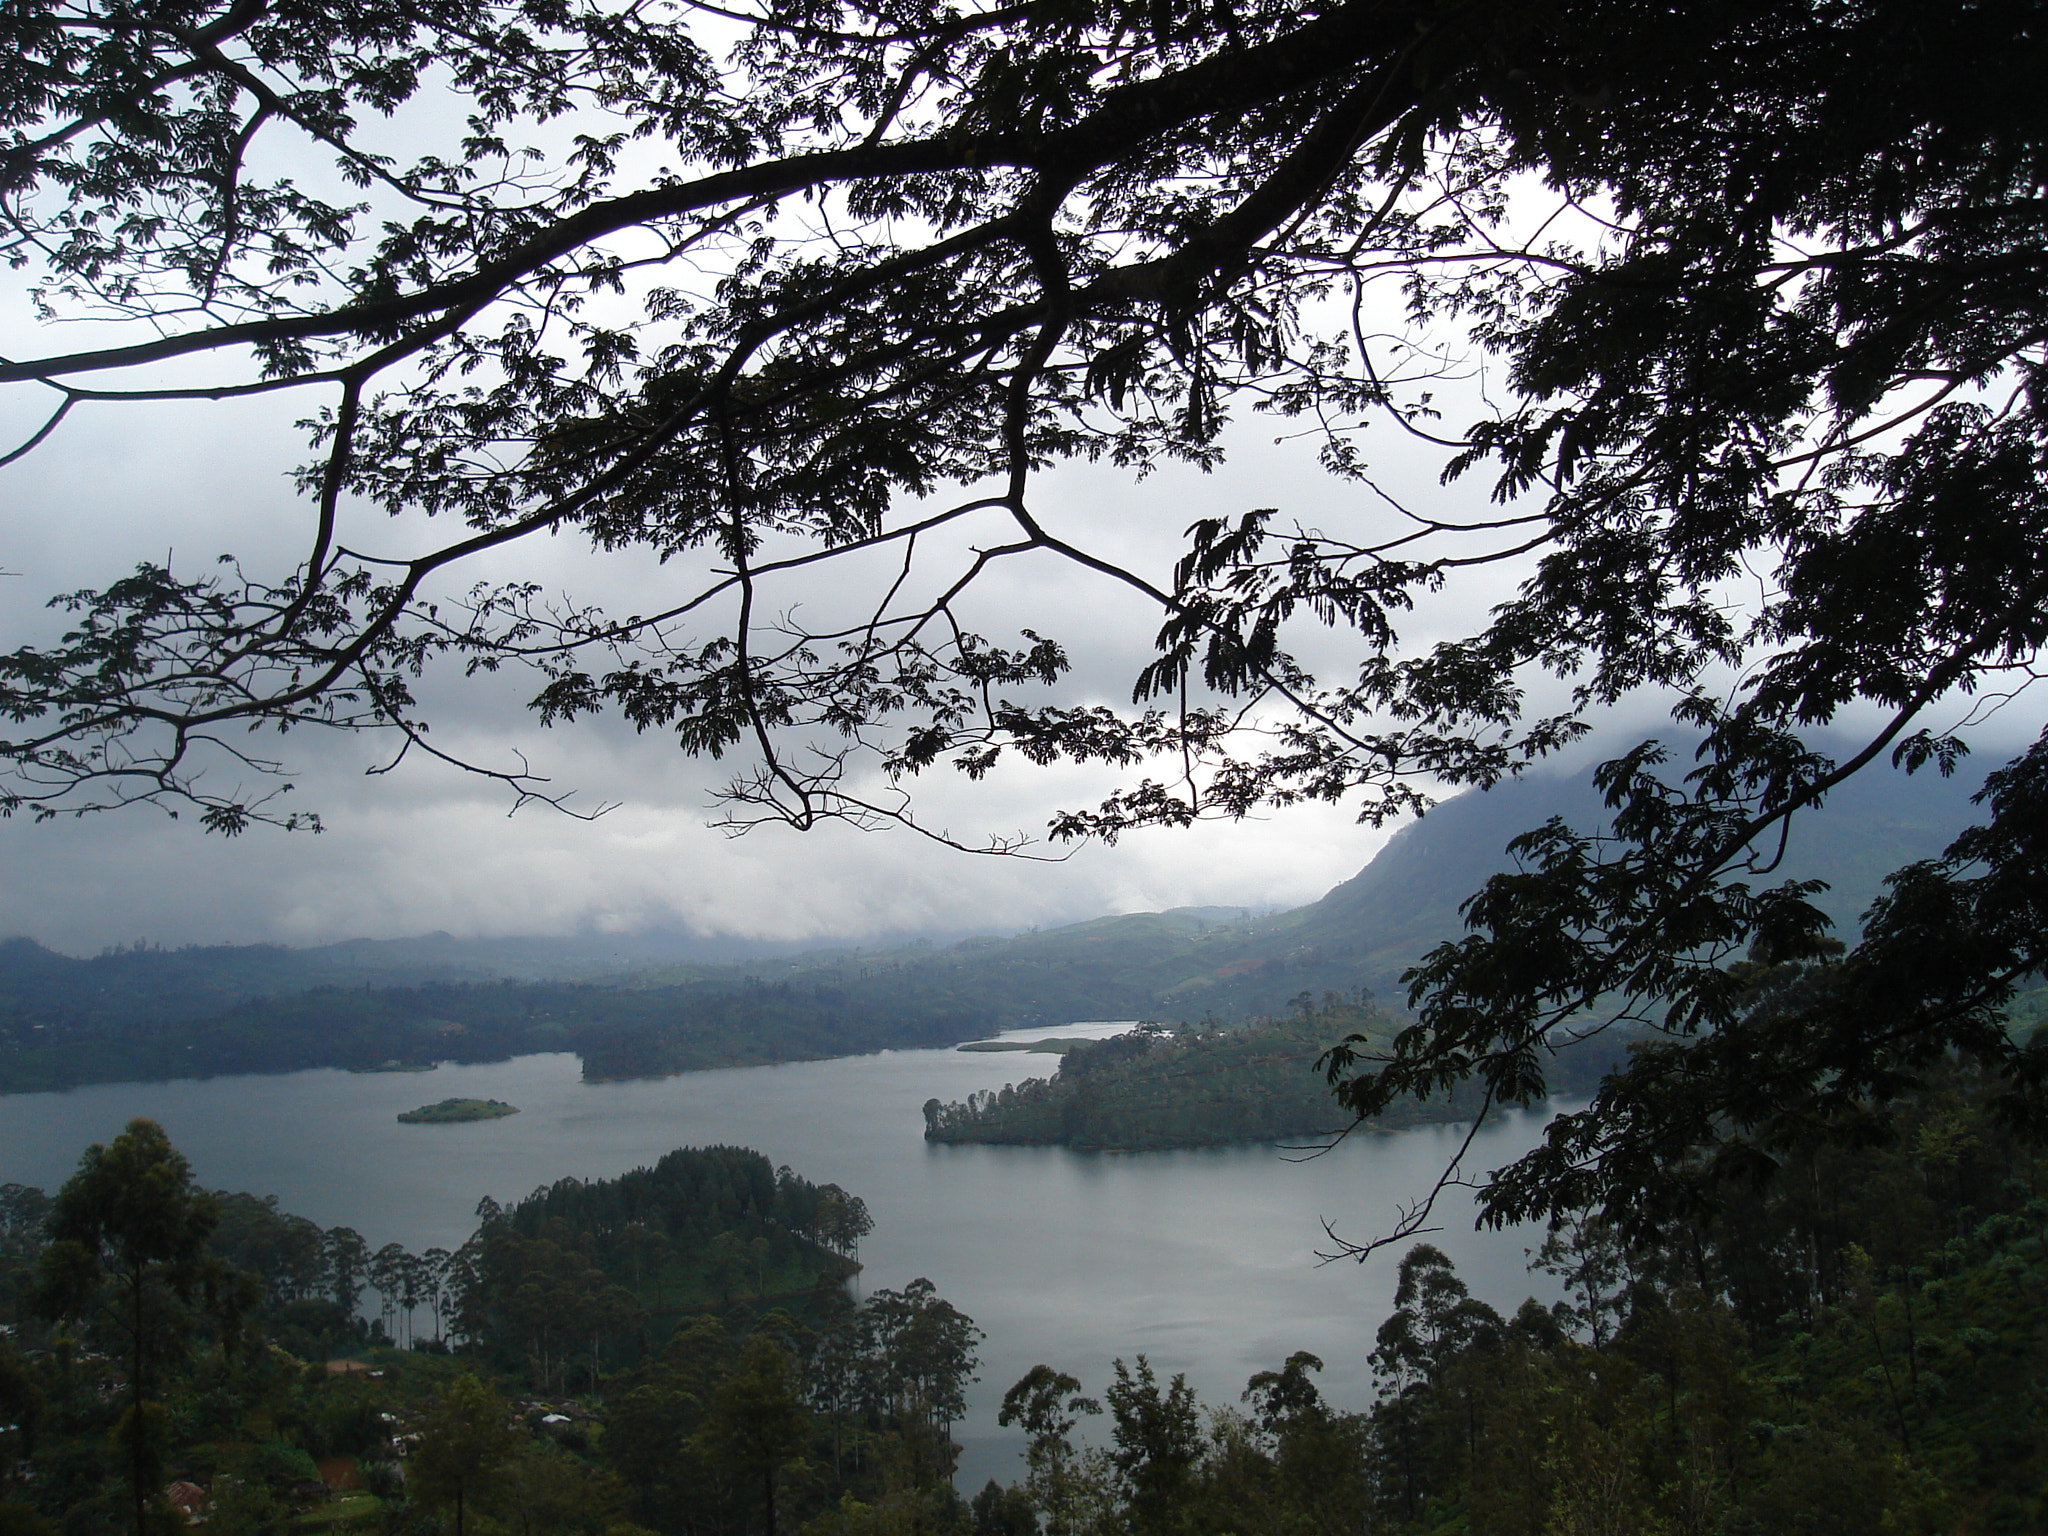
<point>1205,1261</point>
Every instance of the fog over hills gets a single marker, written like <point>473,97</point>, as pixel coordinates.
<point>1406,900</point>
<point>1190,963</point>
<point>1368,930</point>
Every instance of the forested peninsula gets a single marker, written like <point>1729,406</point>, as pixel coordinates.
<point>1159,1087</point>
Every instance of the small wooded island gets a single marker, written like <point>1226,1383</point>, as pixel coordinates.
<point>450,1110</point>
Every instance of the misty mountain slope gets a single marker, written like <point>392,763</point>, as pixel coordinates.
<point>1368,930</point>
<point>145,985</point>
<point>679,955</point>
<point>1406,900</point>
<point>1105,968</point>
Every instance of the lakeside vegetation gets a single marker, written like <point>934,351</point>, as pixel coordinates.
<point>652,1027</point>
<point>598,1350</point>
<point>1854,1347</point>
<point>455,1111</point>
<point>1156,1087</point>
<point>152,1014</point>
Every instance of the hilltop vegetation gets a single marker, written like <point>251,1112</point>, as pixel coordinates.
<point>595,1360</point>
<point>703,1229</point>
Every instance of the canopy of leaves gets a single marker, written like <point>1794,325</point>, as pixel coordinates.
<point>773,292</point>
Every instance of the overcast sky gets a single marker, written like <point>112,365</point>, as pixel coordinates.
<point>429,848</point>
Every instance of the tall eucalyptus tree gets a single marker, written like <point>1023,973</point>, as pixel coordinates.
<point>128,1259</point>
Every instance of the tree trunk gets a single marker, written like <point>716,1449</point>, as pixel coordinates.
<point>135,1425</point>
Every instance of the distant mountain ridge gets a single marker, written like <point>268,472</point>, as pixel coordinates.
<point>1406,900</point>
<point>688,1000</point>
<point>1366,931</point>
<point>161,984</point>
<point>1198,962</point>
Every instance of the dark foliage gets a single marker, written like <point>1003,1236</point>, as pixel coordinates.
<point>579,1273</point>
<point>1856,1351</point>
<point>1758,288</point>
<point>1153,1088</point>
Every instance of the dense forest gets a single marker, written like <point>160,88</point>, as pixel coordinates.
<point>59,1027</point>
<point>1856,1346</point>
<point>211,1353</point>
<point>1206,1085</point>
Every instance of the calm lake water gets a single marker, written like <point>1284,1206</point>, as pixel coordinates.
<point>1204,1261</point>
